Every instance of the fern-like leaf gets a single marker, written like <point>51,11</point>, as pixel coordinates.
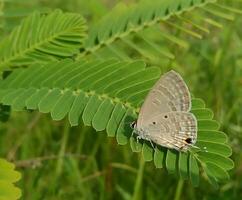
<point>123,21</point>
<point>136,31</point>
<point>8,176</point>
<point>107,95</point>
<point>41,38</point>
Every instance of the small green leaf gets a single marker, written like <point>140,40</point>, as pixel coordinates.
<point>102,115</point>
<point>221,149</point>
<point>49,100</point>
<point>90,109</point>
<point>211,178</point>
<point>9,98</point>
<point>124,131</point>
<point>193,170</point>
<point>217,171</point>
<point>19,102</point>
<point>77,108</point>
<point>171,157</point>
<point>183,165</point>
<point>202,113</point>
<point>8,176</point>
<point>63,105</point>
<point>223,162</point>
<point>208,124</point>
<point>32,102</point>
<point>147,152</point>
<point>116,117</point>
<point>197,103</point>
<point>135,146</point>
<point>210,135</point>
<point>159,156</point>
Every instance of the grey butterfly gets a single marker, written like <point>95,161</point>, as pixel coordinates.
<point>164,117</point>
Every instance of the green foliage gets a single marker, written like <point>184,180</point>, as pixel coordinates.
<point>124,21</point>
<point>106,95</point>
<point>8,176</point>
<point>42,38</point>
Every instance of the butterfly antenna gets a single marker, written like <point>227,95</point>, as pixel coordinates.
<point>204,149</point>
<point>152,144</point>
<point>196,147</point>
<point>121,121</point>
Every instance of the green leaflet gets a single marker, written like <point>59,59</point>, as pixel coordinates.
<point>193,170</point>
<point>76,109</point>
<point>90,109</point>
<point>106,96</point>
<point>159,157</point>
<point>147,152</point>
<point>171,160</point>
<point>102,116</point>
<point>183,165</point>
<point>42,38</point>
<point>63,105</point>
<point>8,176</point>
<point>124,132</point>
<point>217,171</point>
<point>115,119</point>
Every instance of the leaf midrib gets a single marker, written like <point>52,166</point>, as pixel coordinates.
<point>76,92</point>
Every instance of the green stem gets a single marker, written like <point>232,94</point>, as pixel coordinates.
<point>83,132</point>
<point>62,149</point>
<point>179,189</point>
<point>139,178</point>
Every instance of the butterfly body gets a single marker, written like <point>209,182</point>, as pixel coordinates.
<point>164,118</point>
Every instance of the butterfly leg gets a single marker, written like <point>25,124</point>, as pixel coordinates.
<point>132,134</point>
<point>152,144</point>
<point>138,138</point>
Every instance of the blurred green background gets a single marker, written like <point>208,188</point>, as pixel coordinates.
<point>59,162</point>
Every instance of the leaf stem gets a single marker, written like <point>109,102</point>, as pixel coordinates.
<point>63,148</point>
<point>139,178</point>
<point>179,189</point>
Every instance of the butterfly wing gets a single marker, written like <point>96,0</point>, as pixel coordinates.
<point>170,93</point>
<point>176,130</point>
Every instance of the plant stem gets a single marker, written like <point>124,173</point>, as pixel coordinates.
<point>139,178</point>
<point>82,132</point>
<point>179,189</point>
<point>62,149</point>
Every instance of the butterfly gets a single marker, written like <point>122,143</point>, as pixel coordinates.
<point>165,118</point>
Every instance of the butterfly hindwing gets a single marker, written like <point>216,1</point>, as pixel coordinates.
<point>176,130</point>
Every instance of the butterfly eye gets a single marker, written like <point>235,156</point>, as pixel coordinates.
<point>133,125</point>
<point>188,140</point>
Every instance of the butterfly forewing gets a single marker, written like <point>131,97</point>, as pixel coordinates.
<point>170,93</point>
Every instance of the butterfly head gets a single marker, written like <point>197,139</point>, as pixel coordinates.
<point>133,124</point>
